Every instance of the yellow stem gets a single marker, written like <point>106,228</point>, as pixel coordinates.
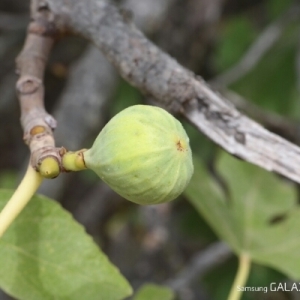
<point>241,277</point>
<point>28,186</point>
<point>73,161</point>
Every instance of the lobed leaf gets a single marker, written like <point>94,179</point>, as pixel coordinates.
<point>261,216</point>
<point>46,254</point>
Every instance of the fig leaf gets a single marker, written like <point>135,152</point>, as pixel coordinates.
<point>260,217</point>
<point>46,254</point>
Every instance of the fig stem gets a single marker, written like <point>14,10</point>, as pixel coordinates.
<point>73,161</point>
<point>241,276</point>
<point>28,186</point>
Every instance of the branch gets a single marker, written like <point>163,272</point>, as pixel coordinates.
<point>260,47</point>
<point>200,264</point>
<point>94,210</point>
<point>297,66</point>
<point>91,84</point>
<point>36,122</point>
<point>148,15</point>
<point>278,124</point>
<point>155,73</point>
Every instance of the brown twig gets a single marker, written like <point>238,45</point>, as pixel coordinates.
<point>37,124</point>
<point>175,88</point>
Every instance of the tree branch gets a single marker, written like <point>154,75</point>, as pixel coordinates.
<point>278,124</point>
<point>36,122</point>
<point>148,15</point>
<point>200,264</point>
<point>175,88</point>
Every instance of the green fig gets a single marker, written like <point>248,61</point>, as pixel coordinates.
<point>143,154</point>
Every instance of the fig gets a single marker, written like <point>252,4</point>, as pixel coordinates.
<point>143,154</point>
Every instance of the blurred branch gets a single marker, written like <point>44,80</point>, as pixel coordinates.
<point>200,264</point>
<point>156,74</point>
<point>258,49</point>
<point>82,108</point>
<point>155,219</point>
<point>99,202</point>
<point>189,32</point>
<point>148,14</point>
<point>298,66</point>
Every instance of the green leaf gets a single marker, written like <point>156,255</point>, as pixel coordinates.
<point>261,216</point>
<point>46,254</point>
<point>126,96</point>
<point>273,79</point>
<point>271,84</point>
<point>154,292</point>
<point>276,7</point>
<point>235,38</point>
<point>8,179</point>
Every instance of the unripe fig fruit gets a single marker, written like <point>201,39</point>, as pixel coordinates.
<point>143,154</point>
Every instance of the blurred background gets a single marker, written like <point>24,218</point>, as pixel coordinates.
<point>246,49</point>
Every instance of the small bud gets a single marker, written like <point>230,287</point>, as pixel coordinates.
<point>49,167</point>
